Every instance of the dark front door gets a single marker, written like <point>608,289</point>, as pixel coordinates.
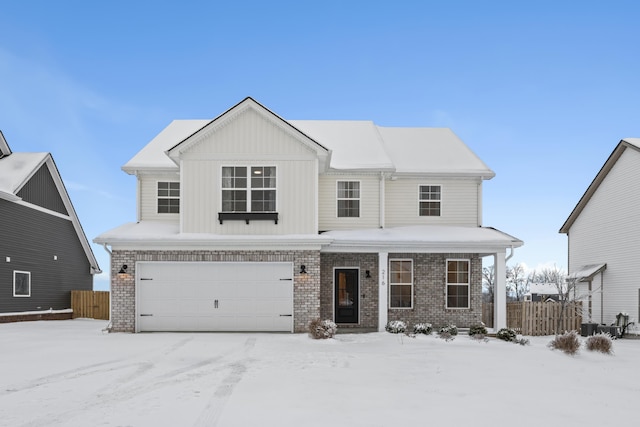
<point>346,297</point>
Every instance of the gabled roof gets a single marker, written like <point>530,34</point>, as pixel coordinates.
<point>4,147</point>
<point>230,114</point>
<point>631,143</point>
<point>346,145</point>
<point>17,169</point>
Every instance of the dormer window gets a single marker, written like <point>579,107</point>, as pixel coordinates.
<point>254,193</point>
<point>168,197</point>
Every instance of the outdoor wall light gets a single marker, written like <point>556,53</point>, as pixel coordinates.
<point>303,269</point>
<point>367,274</point>
<point>123,269</point>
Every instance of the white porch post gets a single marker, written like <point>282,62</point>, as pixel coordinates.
<point>383,291</point>
<point>500,291</point>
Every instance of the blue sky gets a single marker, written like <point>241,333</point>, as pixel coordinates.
<point>542,91</point>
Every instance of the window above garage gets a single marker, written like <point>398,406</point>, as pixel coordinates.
<point>248,193</point>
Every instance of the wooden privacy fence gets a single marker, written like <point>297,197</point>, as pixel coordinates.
<point>90,304</point>
<point>537,318</point>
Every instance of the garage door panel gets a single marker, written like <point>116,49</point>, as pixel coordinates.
<point>215,296</point>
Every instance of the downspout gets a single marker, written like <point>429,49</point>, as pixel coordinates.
<point>104,245</point>
<point>510,255</point>
<point>381,199</point>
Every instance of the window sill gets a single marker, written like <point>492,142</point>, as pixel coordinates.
<point>248,216</point>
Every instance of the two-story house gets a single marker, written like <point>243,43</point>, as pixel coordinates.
<point>44,253</point>
<point>250,222</point>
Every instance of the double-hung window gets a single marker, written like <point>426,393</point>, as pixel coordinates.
<point>430,200</point>
<point>254,193</point>
<point>458,283</point>
<point>400,283</point>
<point>168,197</point>
<point>348,197</point>
<point>21,283</point>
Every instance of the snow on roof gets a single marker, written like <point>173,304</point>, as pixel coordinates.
<point>354,144</point>
<point>431,236</point>
<point>544,289</point>
<point>425,233</point>
<point>586,272</point>
<point>153,154</point>
<point>433,150</point>
<point>169,232</point>
<point>16,169</point>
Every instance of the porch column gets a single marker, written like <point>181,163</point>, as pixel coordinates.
<point>500,291</point>
<point>383,292</point>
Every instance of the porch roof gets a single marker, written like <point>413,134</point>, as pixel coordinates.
<point>422,238</point>
<point>427,238</point>
<point>587,272</point>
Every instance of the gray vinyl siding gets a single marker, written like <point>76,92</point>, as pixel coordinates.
<point>31,239</point>
<point>41,190</point>
<point>608,231</point>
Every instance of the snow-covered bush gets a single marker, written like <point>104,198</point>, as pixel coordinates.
<point>422,328</point>
<point>448,332</point>
<point>568,343</point>
<point>396,327</point>
<point>506,334</point>
<point>478,329</point>
<point>600,342</point>
<point>322,329</point>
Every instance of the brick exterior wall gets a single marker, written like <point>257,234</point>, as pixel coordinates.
<point>313,292</point>
<point>368,286</point>
<point>306,287</point>
<point>429,290</point>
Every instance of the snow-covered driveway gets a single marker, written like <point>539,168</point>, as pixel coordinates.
<point>70,373</point>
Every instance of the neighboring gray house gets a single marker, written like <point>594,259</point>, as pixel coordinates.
<point>604,238</point>
<point>251,222</point>
<point>44,253</point>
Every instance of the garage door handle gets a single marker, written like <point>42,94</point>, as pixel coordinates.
<point>144,315</point>
<point>215,304</point>
<point>286,279</point>
<point>286,315</point>
<point>145,278</point>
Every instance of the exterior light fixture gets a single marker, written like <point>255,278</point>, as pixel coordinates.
<point>123,269</point>
<point>303,269</point>
<point>367,274</point>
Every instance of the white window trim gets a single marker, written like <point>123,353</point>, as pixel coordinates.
<point>359,199</point>
<point>394,284</point>
<point>447,284</point>
<point>248,188</point>
<point>168,197</point>
<point>28,273</point>
<point>420,200</point>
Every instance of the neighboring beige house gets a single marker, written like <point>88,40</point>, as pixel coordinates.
<point>604,234</point>
<point>250,222</point>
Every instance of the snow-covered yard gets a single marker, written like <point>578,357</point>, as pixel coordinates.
<point>70,373</point>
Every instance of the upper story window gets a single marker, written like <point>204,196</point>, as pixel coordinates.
<point>348,197</point>
<point>21,283</point>
<point>254,193</point>
<point>168,197</point>
<point>458,283</point>
<point>430,200</point>
<point>400,283</point>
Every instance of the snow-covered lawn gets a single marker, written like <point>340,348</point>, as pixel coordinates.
<point>70,373</point>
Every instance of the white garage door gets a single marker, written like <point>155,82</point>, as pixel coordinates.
<point>214,296</point>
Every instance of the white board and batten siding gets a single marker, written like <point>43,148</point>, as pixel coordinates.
<point>460,202</point>
<point>369,202</point>
<point>214,296</point>
<point>608,231</point>
<point>250,140</point>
